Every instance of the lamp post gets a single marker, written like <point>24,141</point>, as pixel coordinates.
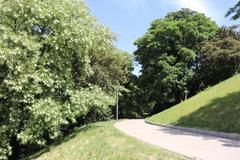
<point>186,94</point>
<point>116,104</point>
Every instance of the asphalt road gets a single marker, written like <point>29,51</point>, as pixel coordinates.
<point>193,145</point>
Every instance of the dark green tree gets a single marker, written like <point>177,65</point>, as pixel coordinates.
<point>169,55</point>
<point>111,68</point>
<point>132,103</point>
<point>220,57</point>
<point>235,11</point>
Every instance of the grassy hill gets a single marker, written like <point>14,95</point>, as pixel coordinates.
<point>217,108</point>
<point>101,141</point>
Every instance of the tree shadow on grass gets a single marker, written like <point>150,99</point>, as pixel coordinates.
<point>74,133</point>
<point>221,114</point>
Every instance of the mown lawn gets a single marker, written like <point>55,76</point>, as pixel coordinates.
<point>217,108</point>
<point>101,141</point>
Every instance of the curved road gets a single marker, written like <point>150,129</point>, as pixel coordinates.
<point>190,144</point>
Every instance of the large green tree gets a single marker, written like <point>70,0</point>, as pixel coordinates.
<point>51,55</point>
<point>220,57</point>
<point>168,53</point>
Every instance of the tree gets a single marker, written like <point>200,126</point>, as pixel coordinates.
<point>131,101</point>
<point>111,69</point>
<point>220,57</point>
<point>48,54</point>
<point>234,10</point>
<point>168,53</point>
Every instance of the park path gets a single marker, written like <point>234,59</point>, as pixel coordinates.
<point>193,145</point>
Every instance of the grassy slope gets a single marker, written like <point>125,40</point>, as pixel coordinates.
<point>217,108</point>
<point>102,141</point>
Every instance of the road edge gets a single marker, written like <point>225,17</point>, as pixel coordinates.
<point>121,131</point>
<point>231,136</point>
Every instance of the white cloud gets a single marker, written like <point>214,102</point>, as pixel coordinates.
<point>207,7</point>
<point>196,5</point>
<point>133,6</point>
<point>138,8</point>
<point>141,6</point>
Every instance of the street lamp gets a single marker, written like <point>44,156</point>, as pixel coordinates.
<point>116,104</point>
<point>186,94</point>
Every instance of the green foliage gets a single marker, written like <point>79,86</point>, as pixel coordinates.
<point>54,62</point>
<point>5,147</point>
<point>132,102</point>
<point>234,10</point>
<point>85,102</point>
<point>110,69</point>
<point>45,119</point>
<point>169,53</point>
<point>220,57</point>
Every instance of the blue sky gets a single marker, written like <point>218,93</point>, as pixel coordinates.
<point>130,19</point>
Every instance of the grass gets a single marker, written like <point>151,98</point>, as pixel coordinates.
<point>216,108</point>
<point>101,141</point>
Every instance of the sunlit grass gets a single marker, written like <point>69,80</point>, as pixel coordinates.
<point>101,141</point>
<point>217,108</point>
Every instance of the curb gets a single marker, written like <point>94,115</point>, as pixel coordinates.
<point>200,131</point>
